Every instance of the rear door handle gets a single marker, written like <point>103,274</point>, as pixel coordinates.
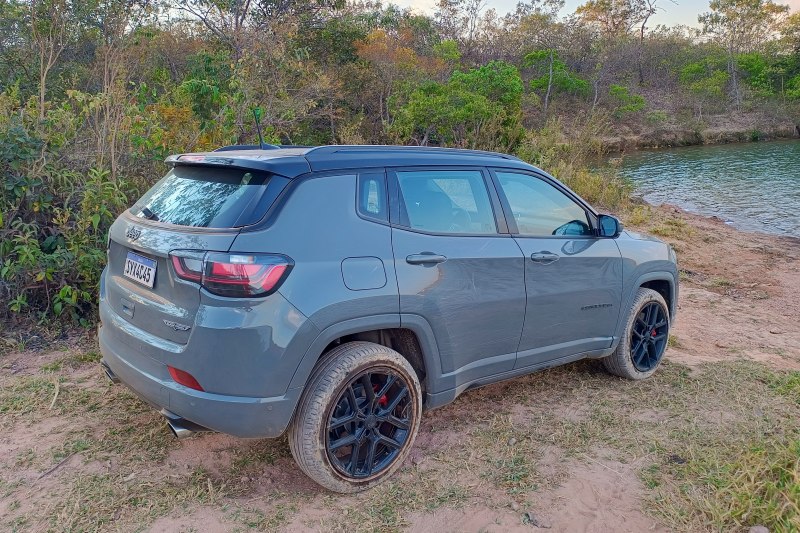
<point>544,258</point>
<point>425,258</point>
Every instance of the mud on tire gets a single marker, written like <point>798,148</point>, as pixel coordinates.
<point>641,349</point>
<point>358,417</point>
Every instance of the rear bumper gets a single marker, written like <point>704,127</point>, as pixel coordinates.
<point>240,416</point>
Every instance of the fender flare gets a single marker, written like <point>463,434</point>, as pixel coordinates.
<point>661,275</point>
<point>415,323</point>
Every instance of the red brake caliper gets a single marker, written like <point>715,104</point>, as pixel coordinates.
<point>383,401</point>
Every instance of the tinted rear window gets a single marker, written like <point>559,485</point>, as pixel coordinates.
<point>210,197</point>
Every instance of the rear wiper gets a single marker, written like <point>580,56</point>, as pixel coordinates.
<point>149,215</point>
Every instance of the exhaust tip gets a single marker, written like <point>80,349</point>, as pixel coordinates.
<point>181,432</point>
<point>181,427</point>
<point>110,373</point>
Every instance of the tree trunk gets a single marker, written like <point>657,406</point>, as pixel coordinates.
<point>640,53</point>
<point>733,73</point>
<point>549,84</point>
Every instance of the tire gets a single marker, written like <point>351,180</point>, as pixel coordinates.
<point>326,417</point>
<point>641,349</point>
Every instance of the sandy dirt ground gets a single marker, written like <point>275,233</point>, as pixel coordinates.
<point>77,453</point>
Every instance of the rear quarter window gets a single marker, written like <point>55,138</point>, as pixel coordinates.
<point>210,197</point>
<point>372,201</point>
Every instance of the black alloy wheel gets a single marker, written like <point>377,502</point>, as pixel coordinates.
<point>369,423</point>
<point>649,337</point>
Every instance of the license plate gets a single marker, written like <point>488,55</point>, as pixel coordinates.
<point>140,269</point>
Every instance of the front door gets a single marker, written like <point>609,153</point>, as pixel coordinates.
<point>455,270</point>
<point>573,278</point>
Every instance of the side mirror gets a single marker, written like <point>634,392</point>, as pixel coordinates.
<point>609,226</point>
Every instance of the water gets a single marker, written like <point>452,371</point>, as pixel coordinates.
<point>751,186</point>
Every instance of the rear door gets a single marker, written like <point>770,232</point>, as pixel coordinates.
<point>573,278</point>
<point>457,270</point>
<point>197,208</point>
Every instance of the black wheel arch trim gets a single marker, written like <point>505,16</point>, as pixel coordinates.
<point>669,277</point>
<point>417,324</point>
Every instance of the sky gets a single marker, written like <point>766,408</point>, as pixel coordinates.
<point>682,12</point>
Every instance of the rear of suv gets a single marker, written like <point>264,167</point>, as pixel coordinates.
<point>336,291</point>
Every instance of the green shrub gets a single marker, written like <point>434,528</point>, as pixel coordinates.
<point>625,102</point>
<point>657,117</point>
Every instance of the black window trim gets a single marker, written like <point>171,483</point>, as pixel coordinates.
<point>501,227</point>
<point>373,173</point>
<point>591,215</point>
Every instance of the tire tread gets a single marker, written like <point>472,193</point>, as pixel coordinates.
<point>335,367</point>
<point>619,362</point>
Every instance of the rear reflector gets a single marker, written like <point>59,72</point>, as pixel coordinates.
<point>184,378</point>
<point>232,275</point>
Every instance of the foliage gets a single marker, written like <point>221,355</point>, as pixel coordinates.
<point>567,159</point>
<point>706,80</point>
<point>475,108</point>
<point>94,95</point>
<point>553,74</point>
<point>625,101</point>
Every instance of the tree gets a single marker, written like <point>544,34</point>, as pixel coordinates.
<point>50,25</point>
<point>618,18</point>
<point>228,20</point>
<point>625,102</point>
<point>553,75</point>
<point>741,26</point>
<point>393,60</point>
<point>614,18</point>
<point>478,108</point>
<point>791,33</point>
<point>706,81</point>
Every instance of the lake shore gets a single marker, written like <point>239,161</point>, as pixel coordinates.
<point>738,288</point>
<point>728,129</point>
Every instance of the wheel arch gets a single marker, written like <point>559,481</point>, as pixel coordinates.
<point>658,281</point>
<point>663,283</point>
<point>413,339</point>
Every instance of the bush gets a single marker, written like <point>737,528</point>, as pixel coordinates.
<point>567,153</point>
<point>625,102</point>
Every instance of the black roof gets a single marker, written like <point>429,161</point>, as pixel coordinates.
<point>292,161</point>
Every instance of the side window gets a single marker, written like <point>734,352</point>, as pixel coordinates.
<point>541,209</point>
<point>445,201</point>
<point>372,201</point>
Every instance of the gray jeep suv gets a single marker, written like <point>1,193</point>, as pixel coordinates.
<point>337,291</point>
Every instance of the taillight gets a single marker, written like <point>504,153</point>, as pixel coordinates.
<point>188,267</point>
<point>233,275</point>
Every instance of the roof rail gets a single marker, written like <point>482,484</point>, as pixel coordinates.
<point>233,147</point>
<point>334,148</point>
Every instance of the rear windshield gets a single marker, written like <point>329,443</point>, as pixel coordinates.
<point>209,197</point>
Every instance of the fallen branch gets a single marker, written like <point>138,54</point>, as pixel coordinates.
<point>601,464</point>
<point>55,396</point>
<point>57,466</point>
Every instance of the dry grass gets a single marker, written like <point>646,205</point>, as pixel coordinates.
<point>717,448</point>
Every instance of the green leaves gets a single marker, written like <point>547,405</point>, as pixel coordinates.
<point>464,111</point>
<point>625,101</point>
<point>52,260</point>
<point>551,72</point>
<point>705,79</point>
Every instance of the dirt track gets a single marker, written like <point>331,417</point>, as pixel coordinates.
<point>570,448</point>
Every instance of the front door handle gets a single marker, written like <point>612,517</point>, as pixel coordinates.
<point>425,258</point>
<point>544,258</point>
